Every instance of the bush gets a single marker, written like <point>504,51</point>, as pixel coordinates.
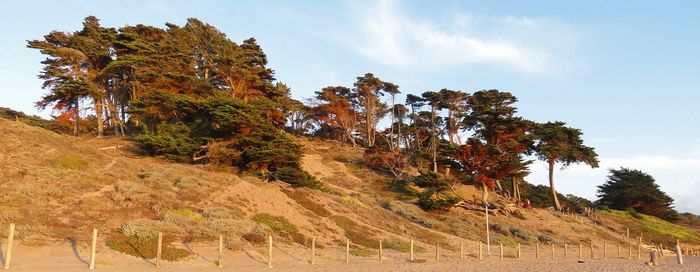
<point>634,213</point>
<point>429,200</point>
<point>277,224</point>
<point>172,140</point>
<point>432,181</point>
<point>144,228</point>
<point>297,178</point>
<point>145,247</point>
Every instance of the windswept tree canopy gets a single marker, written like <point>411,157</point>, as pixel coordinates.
<point>634,189</point>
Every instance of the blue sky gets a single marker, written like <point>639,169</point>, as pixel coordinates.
<point>625,72</point>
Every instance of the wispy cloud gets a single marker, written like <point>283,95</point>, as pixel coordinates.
<point>387,36</point>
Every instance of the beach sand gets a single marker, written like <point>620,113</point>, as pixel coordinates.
<point>64,257</point>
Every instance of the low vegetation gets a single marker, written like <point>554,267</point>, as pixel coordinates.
<point>146,247</point>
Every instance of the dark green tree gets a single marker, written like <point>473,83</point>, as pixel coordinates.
<point>634,189</point>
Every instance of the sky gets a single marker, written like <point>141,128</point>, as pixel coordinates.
<point>625,72</point>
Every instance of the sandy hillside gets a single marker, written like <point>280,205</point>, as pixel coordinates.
<point>57,188</point>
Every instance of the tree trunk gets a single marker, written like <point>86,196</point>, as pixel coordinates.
<point>98,114</point>
<point>551,184</point>
<point>391,143</point>
<point>432,119</point>
<point>449,130</point>
<point>76,119</point>
<point>399,135</point>
<point>368,119</point>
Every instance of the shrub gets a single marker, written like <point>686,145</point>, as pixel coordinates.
<point>297,177</point>
<point>145,247</point>
<point>429,200</point>
<point>145,228</point>
<point>255,238</point>
<point>545,238</point>
<point>172,140</point>
<point>634,213</point>
<point>277,224</point>
<point>431,180</point>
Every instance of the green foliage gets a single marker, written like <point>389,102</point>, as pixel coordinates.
<point>431,180</point>
<point>654,228</point>
<point>278,224</point>
<point>33,120</point>
<point>633,189</point>
<point>633,213</point>
<point>429,200</point>
<point>172,140</point>
<point>145,247</point>
<point>297,178</point>
<point>190,214</point>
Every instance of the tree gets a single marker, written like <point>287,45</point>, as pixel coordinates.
<point>478,161</point>
<point>492,120</point>
<point>634,189</point>
<point>414,102</point>
<point>556,143</point>
<point>433,99</point>
<point>96,43</point>
<point>333,106</point>
<point>392,89</point>
<point>63,74</point>
<point>456,103</point>
<point>365,96</point>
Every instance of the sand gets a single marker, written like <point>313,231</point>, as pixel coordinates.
<point>63,257</point>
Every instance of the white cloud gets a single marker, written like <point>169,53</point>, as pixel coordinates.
<point>387,36</point>
<point>673,174</point>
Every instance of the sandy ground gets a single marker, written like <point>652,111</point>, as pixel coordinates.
<point>63,257</point>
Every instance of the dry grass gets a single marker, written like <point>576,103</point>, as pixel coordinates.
<point>301,197</point>
<point>60,186</point>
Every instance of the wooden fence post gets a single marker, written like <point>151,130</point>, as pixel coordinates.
<point>679,253</point>
<point>605,251</point>
<point>93,250</point>
<point>380,251</point>
<point>488,238</point>
<point>639,248</point>
<point>412,256</point>
<point>618,250</point>
<point>220,263</point>
<point>629,252</point>
<point>552,250</point>
<point>437,251</point>
<point>481,251</point>
<point>159,250</point>
<point>347,250</point>
<point>313,251</point>
<point>10,240</point>
<point>269,251</point>
<point>628,233</point>
<point>537,251</point>
<point>566,253</point>
<point>580,251</point>
<point>518,251</point>
<point>592,255</point>
<point>461,251</point>
<point>501,247</point>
